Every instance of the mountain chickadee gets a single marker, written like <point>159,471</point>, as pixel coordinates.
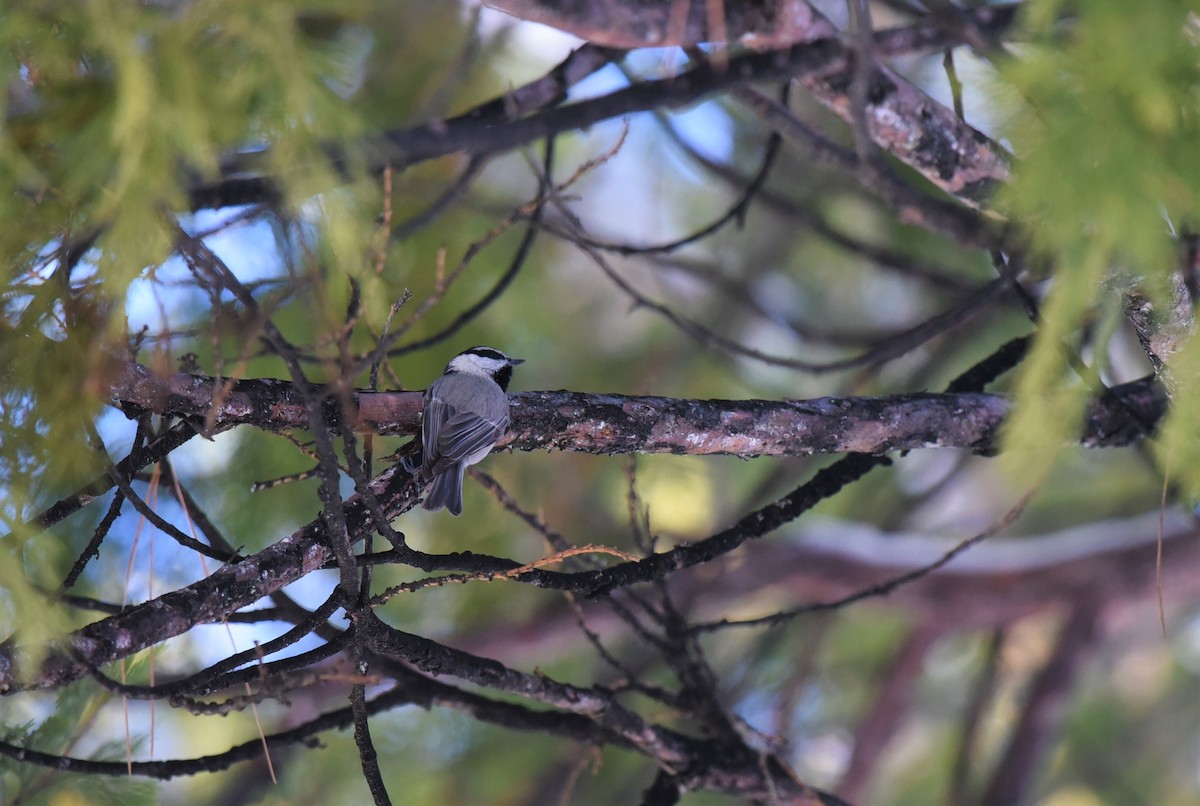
<point>466,411</point>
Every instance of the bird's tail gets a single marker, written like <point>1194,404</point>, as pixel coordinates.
<point>446,492</point>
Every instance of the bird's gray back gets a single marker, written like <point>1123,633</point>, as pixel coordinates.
<point>473,392</point>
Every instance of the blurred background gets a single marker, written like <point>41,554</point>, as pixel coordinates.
<point>1054,662</point>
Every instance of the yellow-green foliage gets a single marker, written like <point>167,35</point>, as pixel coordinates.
<point>111,109</point>
<point>74,706</point>
<point>1109,150</point>
<point>122,98</point>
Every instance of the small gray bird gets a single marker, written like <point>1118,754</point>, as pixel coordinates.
<point>466,411</point>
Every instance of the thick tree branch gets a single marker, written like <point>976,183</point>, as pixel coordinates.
<point>606,424</point>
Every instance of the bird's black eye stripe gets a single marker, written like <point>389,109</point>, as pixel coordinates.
<point>503,377</point>
<point>488,352</point>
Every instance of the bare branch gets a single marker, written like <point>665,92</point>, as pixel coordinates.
<point>905,122</point>
<point>600,423</point>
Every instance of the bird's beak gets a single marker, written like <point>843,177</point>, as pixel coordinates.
<point>515,361</point>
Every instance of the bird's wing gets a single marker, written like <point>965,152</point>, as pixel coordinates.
<point>463,436</point>
<point>436,413</point>
<point>448,436</point>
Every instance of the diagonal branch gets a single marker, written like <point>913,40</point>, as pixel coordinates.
<point>905,122</point>
<point>668,23</point>
<point>597,423</point>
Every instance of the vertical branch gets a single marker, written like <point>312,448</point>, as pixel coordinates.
<point>981,694</point>
<point>367,754</point>
<point>886,711</point>
<point>1045,704</point>
<point>860,83</point>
